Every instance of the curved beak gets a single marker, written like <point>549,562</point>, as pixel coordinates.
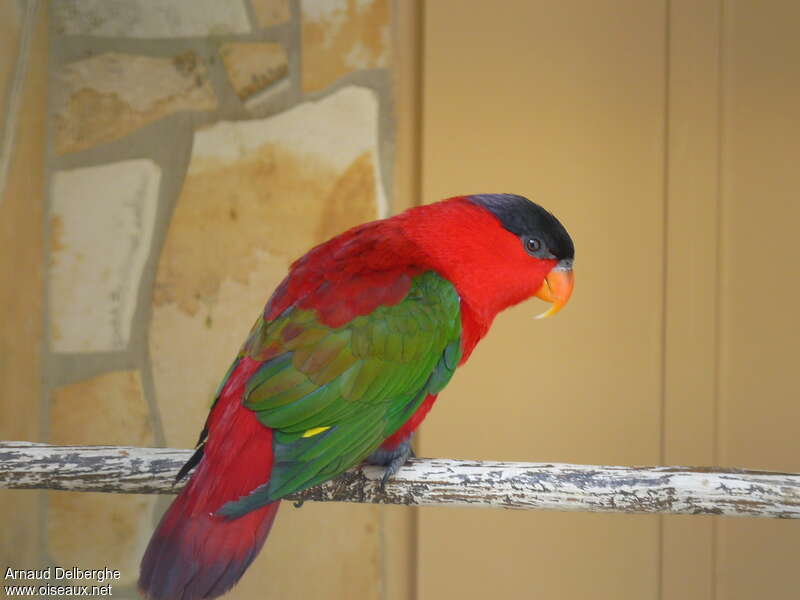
<point>557,287</point>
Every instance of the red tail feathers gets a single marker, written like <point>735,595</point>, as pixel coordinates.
<point>201,556</point>
<point>195,553</point>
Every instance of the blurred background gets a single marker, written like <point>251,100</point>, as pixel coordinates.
<point>161,163</point>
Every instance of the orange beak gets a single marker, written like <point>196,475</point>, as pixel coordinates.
<point>557,288</point>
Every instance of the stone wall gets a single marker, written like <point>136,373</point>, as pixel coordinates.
<point>195,148</point>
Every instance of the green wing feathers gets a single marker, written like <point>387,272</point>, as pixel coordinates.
<point>332,395</point>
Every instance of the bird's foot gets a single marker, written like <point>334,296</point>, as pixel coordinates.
<point>298,503</point>
<point>392,459</point>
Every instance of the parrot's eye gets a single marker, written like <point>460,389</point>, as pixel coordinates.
<point>533,245</point>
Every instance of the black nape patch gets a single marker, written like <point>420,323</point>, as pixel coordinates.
<point>524,218</point>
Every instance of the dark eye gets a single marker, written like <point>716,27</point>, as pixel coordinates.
<point>533,245</point>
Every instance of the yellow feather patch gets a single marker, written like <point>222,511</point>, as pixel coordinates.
<point>315,430</point>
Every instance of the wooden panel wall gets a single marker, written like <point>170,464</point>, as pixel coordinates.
<point>666,136</point>
<point>759,398</point>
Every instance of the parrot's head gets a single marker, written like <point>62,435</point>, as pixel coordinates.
<point>497,249</point>
<point>535,246</point>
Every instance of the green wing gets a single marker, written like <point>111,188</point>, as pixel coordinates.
<point>332,395</point>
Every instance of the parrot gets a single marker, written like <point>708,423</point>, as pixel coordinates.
<point>341,367</point>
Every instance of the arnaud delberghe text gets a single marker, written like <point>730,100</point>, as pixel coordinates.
<point>60,573</point>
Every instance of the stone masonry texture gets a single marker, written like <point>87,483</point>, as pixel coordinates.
<point>196,149</point>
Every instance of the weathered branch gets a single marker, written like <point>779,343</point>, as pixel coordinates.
<point>673,490</point>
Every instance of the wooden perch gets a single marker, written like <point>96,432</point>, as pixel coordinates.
<point>441,482</point>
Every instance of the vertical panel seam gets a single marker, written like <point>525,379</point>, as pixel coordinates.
<point>420,99</point>
<point>664,281</point>
<point>715,450</point>
<point>665,234</point>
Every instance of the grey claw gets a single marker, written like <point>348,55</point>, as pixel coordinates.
<point>391,459</point>
<point>386,475</point>
<point>394,466</point>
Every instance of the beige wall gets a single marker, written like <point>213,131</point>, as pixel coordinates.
<point>665,136</point>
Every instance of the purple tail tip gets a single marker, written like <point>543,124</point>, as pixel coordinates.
<point>200,556</point>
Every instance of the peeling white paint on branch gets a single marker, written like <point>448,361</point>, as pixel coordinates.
<point>429,482</point>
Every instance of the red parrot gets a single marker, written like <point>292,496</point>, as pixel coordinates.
<point>342,366</point>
